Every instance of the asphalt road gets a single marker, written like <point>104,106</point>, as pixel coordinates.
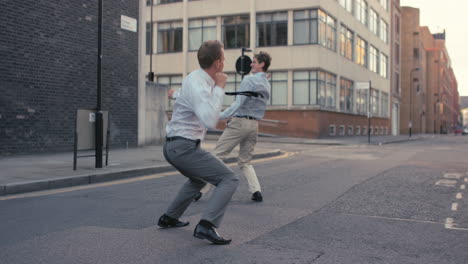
<point>397,203</point>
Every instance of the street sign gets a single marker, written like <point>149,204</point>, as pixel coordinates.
<point>362,85</point>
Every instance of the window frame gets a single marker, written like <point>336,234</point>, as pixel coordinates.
<point>272,22</point>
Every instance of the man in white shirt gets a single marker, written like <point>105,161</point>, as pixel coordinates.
<point>196,109</point>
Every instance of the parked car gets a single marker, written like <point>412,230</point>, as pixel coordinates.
<point>465,131</point>
<point>458,130</point>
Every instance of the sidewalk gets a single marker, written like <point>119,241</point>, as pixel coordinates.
<point>27,173</point>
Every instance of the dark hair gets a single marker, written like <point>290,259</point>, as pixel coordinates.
<point>265,58</point>
<point>209,52</point>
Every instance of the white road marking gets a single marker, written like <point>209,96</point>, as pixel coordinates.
<point>452,175</point>
<point>454,206</point>
<point>446,183</point>
<point>462,187</point>
<point>449,222</point>
<point>459,195</point>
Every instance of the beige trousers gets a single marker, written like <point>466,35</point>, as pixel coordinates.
<point>242,132</point>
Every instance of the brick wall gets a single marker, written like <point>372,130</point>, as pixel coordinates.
<point>48,69</point>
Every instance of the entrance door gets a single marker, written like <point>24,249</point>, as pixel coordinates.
<point>395,120</point>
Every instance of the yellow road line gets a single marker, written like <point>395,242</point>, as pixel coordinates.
<point>136,179</point>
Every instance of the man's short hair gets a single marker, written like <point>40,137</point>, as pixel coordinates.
<point>265,58</point>
<point>209,52</point>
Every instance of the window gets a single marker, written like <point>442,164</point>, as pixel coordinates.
<point>361,52</point>
<point>383,31</point>
<point>346,95</point>
<point>350,130</point>
<point>314,87</point>
<point>201,30</point>
<point>347,4</point>
<point>272,29</point>
<point>397,54</point>
<point>416,53</point>
<point>375,102</point>
<point>326,89</point>
<point>305,27</point>
<point>384,3</point>
<point>397,83</point>
<point>232,84</point>
<point>373,58</point>
<point>314,26</point>
<point>358,130</point>
<point>236,31</point>
<point>373,21</point>
<point>364,130</point>
<point>172,82</point>
<point>305,87</point>
<point>341,130</point>
<point>346,42</point>
<point>385,104</point>
<point>279,88</point>
<point>331,130</point>
<point>383,65</point>
<point>361,101</point>
<point>397,25</point>
<point>361,11</point>
<point>169,37</point>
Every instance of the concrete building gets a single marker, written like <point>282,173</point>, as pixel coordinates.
<point>320,49</point>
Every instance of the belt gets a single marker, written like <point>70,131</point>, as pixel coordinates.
<point>247,117</point>
<point>182,138</point>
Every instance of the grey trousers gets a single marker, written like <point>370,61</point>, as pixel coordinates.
<point>200,167</point>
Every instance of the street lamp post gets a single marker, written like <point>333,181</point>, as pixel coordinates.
<point>410,120</point>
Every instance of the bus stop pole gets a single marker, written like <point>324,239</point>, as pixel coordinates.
<point>99,119</point>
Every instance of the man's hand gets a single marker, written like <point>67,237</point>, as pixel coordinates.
<point>220,79</point>
<point>170,93</point>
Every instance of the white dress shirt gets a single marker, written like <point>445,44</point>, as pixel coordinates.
<point>197,107</point>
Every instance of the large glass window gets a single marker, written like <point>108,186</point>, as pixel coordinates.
<point>272,29</point>
<point>314,26</point>
<point>383,65</point>
<point>236,31</point>
<point>279,88</point>
<point>361,101</point>
<point>385,104</point>
<point>373,21</point>
<point>172,81</point>
<point>375,105</point>
<point>347,4</point>
<point>232,85</point>
<point>383,31</point>
<point>373,58</point>
<point>305,87</point>
<point>346,95</point>
<point>305,27</point>
<point>201,30</point>
<point>361,52</point>
<point>169,37</point>
<point>346,42</point>
<point>361,11</point>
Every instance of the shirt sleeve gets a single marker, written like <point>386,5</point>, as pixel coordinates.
<point>246,85</point>
<point>207,103</point>
<point>175,94</point>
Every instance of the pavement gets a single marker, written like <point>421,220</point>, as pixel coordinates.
<point>44,171</point>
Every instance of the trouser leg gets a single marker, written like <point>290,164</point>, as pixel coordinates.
<point>200,167</point>
<point>247,147</point>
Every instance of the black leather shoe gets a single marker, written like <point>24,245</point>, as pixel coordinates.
<point>257,196</point>
<point>169,222</point>
<point>198,196</point>
<point>210,234</point>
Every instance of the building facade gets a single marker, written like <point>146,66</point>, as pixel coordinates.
<point>320,49</point>
<point>395,81</point>
<point>49,69</point>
